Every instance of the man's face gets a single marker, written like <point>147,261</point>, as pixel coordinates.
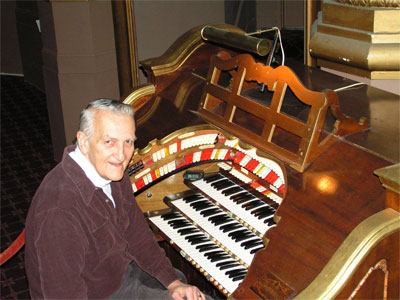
<point>112,144</point>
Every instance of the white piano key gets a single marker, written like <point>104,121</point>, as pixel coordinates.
<point>214,231</point>
<point>245,215</point>
<point>208,266</point>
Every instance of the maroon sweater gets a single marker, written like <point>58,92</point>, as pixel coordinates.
<point>78,245</point>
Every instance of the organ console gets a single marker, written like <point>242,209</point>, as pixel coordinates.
<point>286,204</point>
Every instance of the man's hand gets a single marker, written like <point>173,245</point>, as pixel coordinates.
<point>180,291</point>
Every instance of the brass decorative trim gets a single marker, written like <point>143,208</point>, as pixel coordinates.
<point>350,254</point>
<point>132,42</point>
<point>139,93</point>
<point>356,53</point>
<point>69,0</point>
<point>359,35</point>
<point>360,38</point>
<point>390,177</point>
<point>358,71</point>
<point>371,3</point>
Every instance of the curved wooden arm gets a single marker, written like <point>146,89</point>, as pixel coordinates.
<point>140,95</point>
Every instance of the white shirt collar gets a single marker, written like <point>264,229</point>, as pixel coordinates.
<point>91,172</point>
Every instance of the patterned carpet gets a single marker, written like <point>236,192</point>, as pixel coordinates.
<point>26,156</point>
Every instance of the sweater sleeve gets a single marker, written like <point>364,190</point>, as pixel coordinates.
<point>61,248</point>
<point>144,248</point>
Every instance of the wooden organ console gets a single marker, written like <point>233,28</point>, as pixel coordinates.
<point>260,192</point>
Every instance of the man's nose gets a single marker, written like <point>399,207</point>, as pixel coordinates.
<point>120,153</point>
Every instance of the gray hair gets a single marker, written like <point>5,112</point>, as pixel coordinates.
<point>87,114</point>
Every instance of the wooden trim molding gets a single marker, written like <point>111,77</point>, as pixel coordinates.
<point>350,254</point>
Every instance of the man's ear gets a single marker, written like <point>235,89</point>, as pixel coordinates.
<point>83,142</point>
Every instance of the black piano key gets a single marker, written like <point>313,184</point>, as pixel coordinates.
<point>254,245</point>
<point>206,247</point>
<point>220,182</point>
<point>200,201</point>
<point>199,241</point>
<point>181,225</point>
<point>252,204</point>
<point>239,274</point>
<point>177,221</point>
<point>219,257</point>
<point>238,232</point>
<point>194,236</point>
<point>192,198</point>
<point>221,264</point>
<point>234,272</point>
<point>263,210</point>
<point>232,190</point>
<point>255,250</point>
<point>222,220</point>
<point>243,195</point>
<point>210,212</point>
<point>187,231</point>
<point>196,241</point>
<point>244,199</point>
<point>270,221</point>
<point>213,253</point>
<point>243,237</point>
<point>216,217</point>
<point>201,206</point>
<point>230,227</point>
<point>241,277</point>
<point>251,243</point>
<point>213,177</point>
<point>171,215</point>
<point>230,265</point>
<point>264,214</point>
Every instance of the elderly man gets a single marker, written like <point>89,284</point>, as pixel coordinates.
<point>85,234</point>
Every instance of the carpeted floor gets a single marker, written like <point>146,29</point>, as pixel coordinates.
<point>26,156</point>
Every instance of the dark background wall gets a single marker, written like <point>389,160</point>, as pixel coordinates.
<point>10,55</point>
